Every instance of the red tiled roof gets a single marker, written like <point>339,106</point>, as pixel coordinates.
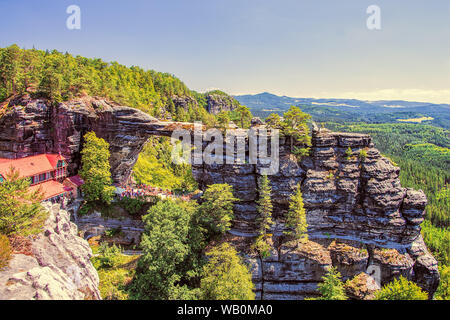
<point>30,166</point>
<point>54,158</point>
<point>50,189</point>
<point>76,180</point>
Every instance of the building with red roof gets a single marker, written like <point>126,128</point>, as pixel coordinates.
<point>74,183</point>
<point>45,171</point>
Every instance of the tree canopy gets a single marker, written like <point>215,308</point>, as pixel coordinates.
<point>296,224</point>
<point>20,209</point>
<point>216,210</point>
<point>332,287</point>
<point>95,169</point>
<point>170,244</point>
<point>401,289</point>
<point>61,76</point>
<point>225,276</point>
<point>264,220</point>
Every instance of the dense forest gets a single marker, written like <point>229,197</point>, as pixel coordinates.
<point>61,76</point>
<point>351,110</point>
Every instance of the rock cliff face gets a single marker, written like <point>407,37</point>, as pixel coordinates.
<point>355,199</point>
<point>219,102</point>
<point>58,269</point>
<point>360,218</point>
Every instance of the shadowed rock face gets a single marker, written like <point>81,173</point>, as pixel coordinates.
<point>355,199</point>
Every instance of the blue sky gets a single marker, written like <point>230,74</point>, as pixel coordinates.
<point>301,48</point>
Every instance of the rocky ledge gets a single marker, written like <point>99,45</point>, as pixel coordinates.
<point>58,267</point>
<point>293,271</point>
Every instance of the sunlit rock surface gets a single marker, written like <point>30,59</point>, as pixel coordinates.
<point>59,267</point>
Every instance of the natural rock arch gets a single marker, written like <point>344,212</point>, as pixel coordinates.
<point>348,198</point>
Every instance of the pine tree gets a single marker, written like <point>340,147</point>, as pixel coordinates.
<point>223,120</point>
<point>216,210</point>
<point>9,68</point>
<point>295,125</point>
<point>264,206</point>
<point>245,115</point>
<point>273,121</point>
<point>226,277</point>
<point>296,225</point>
<point>332,287</point>
<point>20,209</point>
<point>264,220</point>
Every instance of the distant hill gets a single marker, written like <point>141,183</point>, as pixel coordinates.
<point>351,110</point>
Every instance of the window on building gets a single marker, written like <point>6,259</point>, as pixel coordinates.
<point>61,164</point>
<point>42,177</point>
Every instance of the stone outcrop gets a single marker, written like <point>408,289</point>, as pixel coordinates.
<point>293,271</point>
<point>361,287</point>
<point>352,193</point>
<point>220,102</point>
<point>59,268</point>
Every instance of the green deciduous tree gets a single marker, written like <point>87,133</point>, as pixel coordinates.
<point>156,168</point>
<point>216,210</point>
<point>20,209</point>
<point>443,291</point>
<point>296,224</point>
<point>108,256</point>
<point>401,289</point>
<point>95,169</point>
<point>225,276</point>
<point>170,246</point>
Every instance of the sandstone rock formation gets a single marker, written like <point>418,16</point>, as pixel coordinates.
<point>220,102</point>
<point>355,199</point>
<point>59,268</point>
